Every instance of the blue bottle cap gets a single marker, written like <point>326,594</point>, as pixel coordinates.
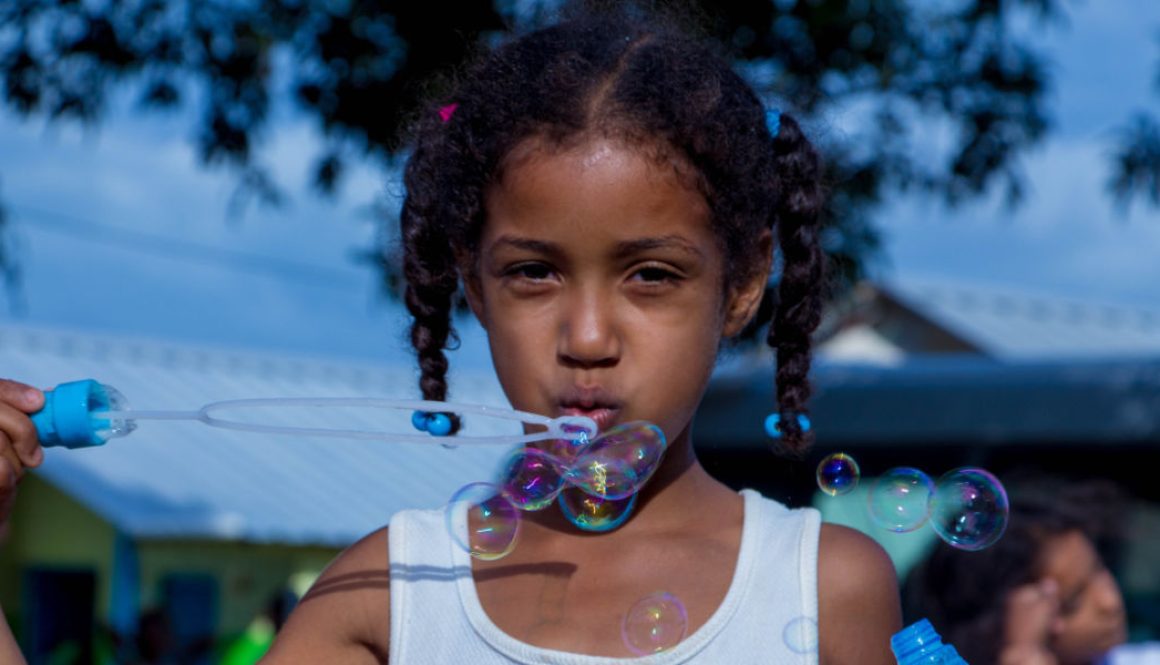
<point>920,644</point>
<point>66,419</point>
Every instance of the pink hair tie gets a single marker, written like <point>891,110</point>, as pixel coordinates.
<point>446,111</point>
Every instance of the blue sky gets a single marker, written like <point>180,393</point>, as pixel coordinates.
<point>1068,238</point>
<point>81,200</point>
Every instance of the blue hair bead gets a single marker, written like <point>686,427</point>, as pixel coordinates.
<point>439,425</point>
<point>773,121</point>
<point>421,420</point>
<point>773,420</point>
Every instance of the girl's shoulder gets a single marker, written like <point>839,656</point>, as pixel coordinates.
<point>342,617</point>
<point>843,551</point>
<point>858,599</point>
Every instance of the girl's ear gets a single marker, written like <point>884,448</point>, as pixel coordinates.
<point>745,296</point>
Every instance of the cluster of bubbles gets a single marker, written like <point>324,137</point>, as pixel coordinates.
<point>967,507</point>
<point>594,482</point>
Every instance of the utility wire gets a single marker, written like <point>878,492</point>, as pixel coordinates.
<point>160,245</point>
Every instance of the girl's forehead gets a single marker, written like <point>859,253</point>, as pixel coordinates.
<point>592,178</point>
<point>593,150</point>
<point>593,191</point>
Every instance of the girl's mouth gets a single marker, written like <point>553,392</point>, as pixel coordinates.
<point>591,402</point>
<point>603,416</point>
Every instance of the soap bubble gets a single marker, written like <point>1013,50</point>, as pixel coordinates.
<point>900,499</point>
<point>592,513</point>
<point>969,509</point>
<point>604,478</point>
<point>531,478</point>
<point>654,623</point>
<point>801,635</point>
<point>838,474</point>
<point>492,521</point>
<point>565,450</point>
<point>619,461</point>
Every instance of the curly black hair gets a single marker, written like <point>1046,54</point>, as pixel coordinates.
<point>649,84</point>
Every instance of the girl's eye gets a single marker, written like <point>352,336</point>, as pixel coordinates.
<point>655,275</point>
<point>531,271</point>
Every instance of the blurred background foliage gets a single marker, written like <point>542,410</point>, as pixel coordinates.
<point>945,96</point>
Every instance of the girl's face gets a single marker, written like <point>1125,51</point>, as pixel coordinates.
<point>601,285</point>
<point>1091,610</point>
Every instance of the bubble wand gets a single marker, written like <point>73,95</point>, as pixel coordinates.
<point>86,413</point>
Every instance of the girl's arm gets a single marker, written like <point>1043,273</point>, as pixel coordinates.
<point>345,617</point>
<point>19,450</point>
<point>858,599</point>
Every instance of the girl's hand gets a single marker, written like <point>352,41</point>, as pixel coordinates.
<point>1031,610</point>
<point>19,447</point>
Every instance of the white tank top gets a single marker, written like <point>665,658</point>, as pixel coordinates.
<point>769,614</point>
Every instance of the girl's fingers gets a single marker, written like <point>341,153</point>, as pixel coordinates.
<point>21,395</point>
<point>1031,609</point>
<point>17,400</point>
<point>20,435</point>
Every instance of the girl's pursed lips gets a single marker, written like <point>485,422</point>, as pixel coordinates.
<point>593,402</point>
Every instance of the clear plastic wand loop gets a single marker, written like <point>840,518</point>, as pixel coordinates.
<point>86,413</point>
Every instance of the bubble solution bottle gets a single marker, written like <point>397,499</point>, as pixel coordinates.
<point>72,416</point>
<point>920,644</point>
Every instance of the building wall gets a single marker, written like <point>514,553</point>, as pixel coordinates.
<point>247,575</point>
<point>49,529</point>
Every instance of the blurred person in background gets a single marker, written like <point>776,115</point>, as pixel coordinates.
<point>1043,594</point>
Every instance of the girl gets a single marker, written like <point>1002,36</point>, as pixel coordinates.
<point>607,193</point>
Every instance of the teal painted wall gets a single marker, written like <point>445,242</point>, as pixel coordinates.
<point>48,528</point>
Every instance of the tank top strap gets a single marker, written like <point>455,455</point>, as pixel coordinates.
<point>427,619</point>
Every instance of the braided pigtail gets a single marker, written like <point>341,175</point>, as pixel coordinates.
<point>799,308</point>
<point>432,281</point>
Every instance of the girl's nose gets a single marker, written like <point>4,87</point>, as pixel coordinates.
<point>588,332</point>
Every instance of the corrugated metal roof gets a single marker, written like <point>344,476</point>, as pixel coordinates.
<point>183,479</point>
<point>1013,324</point>
<point>951,400</point>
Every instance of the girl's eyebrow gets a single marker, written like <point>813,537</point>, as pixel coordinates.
<point>673,242</point>
<point>623,249</point>
<point>529,244</point>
